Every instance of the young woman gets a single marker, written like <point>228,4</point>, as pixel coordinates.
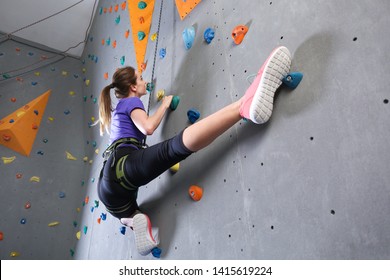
<point>128,165</point>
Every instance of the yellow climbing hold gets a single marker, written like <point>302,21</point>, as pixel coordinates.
<point>53,224</point>
<point>78,235</point>
<point>160,94</point>
<point>50,119</point>
<point>97,151</point>
<point>153,37</point>
<point>84,70</point>
<point>7,160</point>
<point>14,254</point>
<point>64,73</point>
<point>87,82</point>
<point>175,168</point>
<point>37,74</point>
<point>70,156</point>
<point>71,93</point>
<point>35,179</point>
<point>78,209</point>
<point>85,159</point>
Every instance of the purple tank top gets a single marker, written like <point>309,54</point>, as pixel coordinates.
<point>121,123</point>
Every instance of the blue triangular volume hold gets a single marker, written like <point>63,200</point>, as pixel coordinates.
<point>292,79</point>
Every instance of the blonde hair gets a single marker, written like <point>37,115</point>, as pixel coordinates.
<point>122,79</point>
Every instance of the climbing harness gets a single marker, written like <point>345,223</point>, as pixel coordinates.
<point>120,165</point>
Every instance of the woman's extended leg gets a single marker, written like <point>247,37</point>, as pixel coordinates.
<point>202,133</point>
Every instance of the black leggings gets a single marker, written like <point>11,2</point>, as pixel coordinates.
<point>141,166</point>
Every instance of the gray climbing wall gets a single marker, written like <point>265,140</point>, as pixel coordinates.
<point>312,183</point>
<point>46,180</point>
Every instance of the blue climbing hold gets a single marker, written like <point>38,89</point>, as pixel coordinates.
<point>156,252</point>
<point>117,19</point>
<point>141,35</point>
<point>188,37</point>
<point>163,52</point>
<point>149,87</point>
<point>208,35</point>
<point>142,5</point>
<point>123,230</point>
<point>292,79</point>
<point>123,59</point>
<point>103,216</point>
<point>193,115</point>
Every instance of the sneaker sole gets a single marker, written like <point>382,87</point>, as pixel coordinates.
<point>276,68</point>
<point>143,234</point>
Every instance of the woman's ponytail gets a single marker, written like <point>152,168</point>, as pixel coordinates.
<point>105,109</point>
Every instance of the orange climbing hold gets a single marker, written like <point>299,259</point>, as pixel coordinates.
<point>185,7</point>
<point>116,7</point>
<point>123,6</point>
<point>106,76</point>
<point>127,33</point>
<point>195,192</point>
<point>239,33</point>
<point>17,134</point>
<point>135,14</point>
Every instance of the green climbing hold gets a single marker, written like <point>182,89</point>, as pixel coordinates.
<point>174,103</point>
<point>141,5</point>
<point>141,35</point>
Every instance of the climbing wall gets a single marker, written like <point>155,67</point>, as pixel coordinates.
<point>312,183</point>
<point>41,190</point>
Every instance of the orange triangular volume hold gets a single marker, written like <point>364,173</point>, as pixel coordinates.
<point>140,14</point>
<point>19,129</point>
<point>185,7</point>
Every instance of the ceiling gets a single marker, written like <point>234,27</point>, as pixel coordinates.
<point>59,32</point>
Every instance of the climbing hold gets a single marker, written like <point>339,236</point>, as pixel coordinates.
<point>50,119</point>
<point>78,235</point>
<point>103,216</point>
<point>64,73</point>
<point>156,252</point>
<point>92,209</point>
<point>36,112</point>
<point>163,52</point>
<point>85,229</point>
<point>53,224</point>
<point>195,192</point>
<point>23,221</point>
<point>143,65</point>
<point>70,156</point>
<point>142,5</point>
<point>14,254</point>
<point>34,83</point>
<point>149,87</point>
<point>160,94</point>
<point>13,99</point>
<point>175,168</point>
<point>71,93</point>
<point>61,195</point>
<point>292,79</point>
<point>123,60</point>
<point>6,137</point>
<point>19,175</point>
<point>141,20</point>
<point>117,19</point>
<point>27,205</point>
<point>188,37</point>
<point>40,153</point>
<point>87,82</point>
<point>99,220</point>
<point>114,44</point>
<point>71,252</point>
<point>1,236</point>
<point>37,74</point>
<point>127,33</point>
<point>193,115</point>
<point>106,75</point>
<point>67,112</point>
<point>35,179</point>
<point>123,5</point>
<point>122,230</point>
<point>174,103</point>
<point>141,35</point>
<point>34,126</point>
<point>96,203</point>
<point>108,41</point>
<point>45,140</point>
<point>153,37</point>
<point>239,33</point>
<point>85,159</point>
<point>208,35</point>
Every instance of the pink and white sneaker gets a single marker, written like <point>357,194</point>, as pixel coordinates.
<point>143,234</point>
<point>257,103</point>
